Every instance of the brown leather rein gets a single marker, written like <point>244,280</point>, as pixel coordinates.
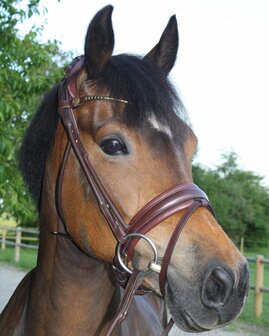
<point>186,196</point>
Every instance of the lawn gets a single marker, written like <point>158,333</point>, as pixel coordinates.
<point>27,258</point>
<point>248,315</point>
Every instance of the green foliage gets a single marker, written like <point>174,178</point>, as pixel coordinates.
<point>239,199</point>
<point>28,68</point>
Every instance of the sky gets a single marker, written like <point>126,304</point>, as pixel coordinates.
<point>222,69</point>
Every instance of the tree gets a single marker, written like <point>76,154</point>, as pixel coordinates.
<point>239,199</point>
<point>28,68</point>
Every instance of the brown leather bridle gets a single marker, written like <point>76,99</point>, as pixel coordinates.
<point>186,196</point>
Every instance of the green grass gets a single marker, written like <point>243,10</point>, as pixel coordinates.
<point>27,258</point>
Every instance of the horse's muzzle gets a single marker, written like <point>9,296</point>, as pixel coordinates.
<point>219,300</point>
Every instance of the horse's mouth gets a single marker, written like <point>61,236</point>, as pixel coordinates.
<point>183,319</point>
<point>191,324</point>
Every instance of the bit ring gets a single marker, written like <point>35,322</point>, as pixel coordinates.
<point>151,244</point>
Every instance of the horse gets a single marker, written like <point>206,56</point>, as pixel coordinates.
<point>125,234</point>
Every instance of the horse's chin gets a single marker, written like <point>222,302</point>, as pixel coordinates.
<point>185,311</point>
<point>190,315</point>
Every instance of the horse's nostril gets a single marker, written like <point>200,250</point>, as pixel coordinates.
<point>217,288</point>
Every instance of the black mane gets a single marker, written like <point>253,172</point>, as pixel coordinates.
<point>37,143</point>
<point>146,86</point>
<point>128,77</point>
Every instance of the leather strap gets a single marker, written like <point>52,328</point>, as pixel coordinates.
<point>112,215</point>
<point>174,238</point>
<point>178,190</point>
<point>79,101</point>
<point>68,92</point>
<point>59,184</point>
<point>168,328</point>
<point>162,207</point>
<point>134,282</point>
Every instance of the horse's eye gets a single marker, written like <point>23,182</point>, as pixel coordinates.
<point>113,146</point>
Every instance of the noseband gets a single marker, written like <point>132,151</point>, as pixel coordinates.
<point>185,197</point>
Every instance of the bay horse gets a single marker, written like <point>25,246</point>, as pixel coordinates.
<point>124,231</point>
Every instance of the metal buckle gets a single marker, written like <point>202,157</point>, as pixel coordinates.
<point>153,266</point>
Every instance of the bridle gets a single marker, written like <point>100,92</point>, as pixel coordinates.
<point>186,196</point>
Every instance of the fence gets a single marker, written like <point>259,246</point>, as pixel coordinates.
<point>16,238</point>
<point>258,287</point>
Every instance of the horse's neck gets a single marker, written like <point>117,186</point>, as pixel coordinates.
<point>74,294</point>
<point>71,291</point>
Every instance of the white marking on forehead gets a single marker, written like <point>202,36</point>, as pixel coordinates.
<point>154,123</point>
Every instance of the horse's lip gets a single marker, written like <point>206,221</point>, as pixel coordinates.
<point>188,320</point>
<point>191,324</point>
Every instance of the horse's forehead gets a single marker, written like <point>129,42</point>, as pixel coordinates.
<point>160,126</point>
<point>173,131</point>
<point>176,132</point>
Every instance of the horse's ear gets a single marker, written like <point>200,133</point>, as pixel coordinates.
<point>99,42</point>
<point>165,52</point>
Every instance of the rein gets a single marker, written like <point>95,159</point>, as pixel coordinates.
<point>186,196</point>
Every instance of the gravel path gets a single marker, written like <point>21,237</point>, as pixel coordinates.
<point>10,277</point>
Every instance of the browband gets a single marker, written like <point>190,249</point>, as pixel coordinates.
<point>79,101</point>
